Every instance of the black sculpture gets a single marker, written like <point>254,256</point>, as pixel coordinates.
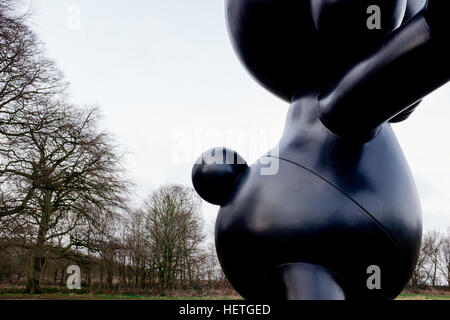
<point>343,200</point>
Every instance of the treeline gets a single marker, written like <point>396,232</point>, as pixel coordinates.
<point>63,191</point>
<point>433,264</point>
<point>157,249</point>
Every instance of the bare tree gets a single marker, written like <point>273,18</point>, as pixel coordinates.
<point>432,248</point>
<point>69,173</point>
<point>445,265</point>
<point>140,254</point>
<point>174,227</point>
<point>25,73</point>
<point>420,275</point>
<point>212,267</point>
<point>27,79</point>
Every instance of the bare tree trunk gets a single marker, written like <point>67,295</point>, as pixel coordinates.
<point>38,255</point>
<point>433,281</point>
<point>448,275</point>
<point>34,276</point>
<point>61,281</point>
<point>101,274</point>
<point>88,276</point>
<point>55,277</point>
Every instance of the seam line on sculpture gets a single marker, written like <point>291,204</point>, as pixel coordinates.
<point>349,197</point>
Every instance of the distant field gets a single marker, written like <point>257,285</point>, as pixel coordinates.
<point>16,293</point>
<point>132,297</point>
<point>422,297</point>
<point>106,297</point>
<point>57,293</point>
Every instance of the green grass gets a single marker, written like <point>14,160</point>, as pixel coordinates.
<point>411,296</point>
<point>138,297</point>
<point>105,297</point>
<point>17,296</point>
<point>54,294</point>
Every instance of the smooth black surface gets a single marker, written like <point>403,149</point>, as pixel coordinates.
<point>409,65</point>
<point>214,173</point>
<point>280,45</point>
<point>343,197</point>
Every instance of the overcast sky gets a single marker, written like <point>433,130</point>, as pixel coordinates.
<point>170,86</point>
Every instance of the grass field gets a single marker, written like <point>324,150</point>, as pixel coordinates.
<point>138,297</point>
<point>105,297</point>
<point>52,294</point>
<point>56,293</point>
<point>411,296</point>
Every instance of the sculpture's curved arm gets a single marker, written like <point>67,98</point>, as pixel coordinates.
<point>412,62</point>
<point>412,8</point>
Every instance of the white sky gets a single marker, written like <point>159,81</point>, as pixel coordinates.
<point>170,86</point>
